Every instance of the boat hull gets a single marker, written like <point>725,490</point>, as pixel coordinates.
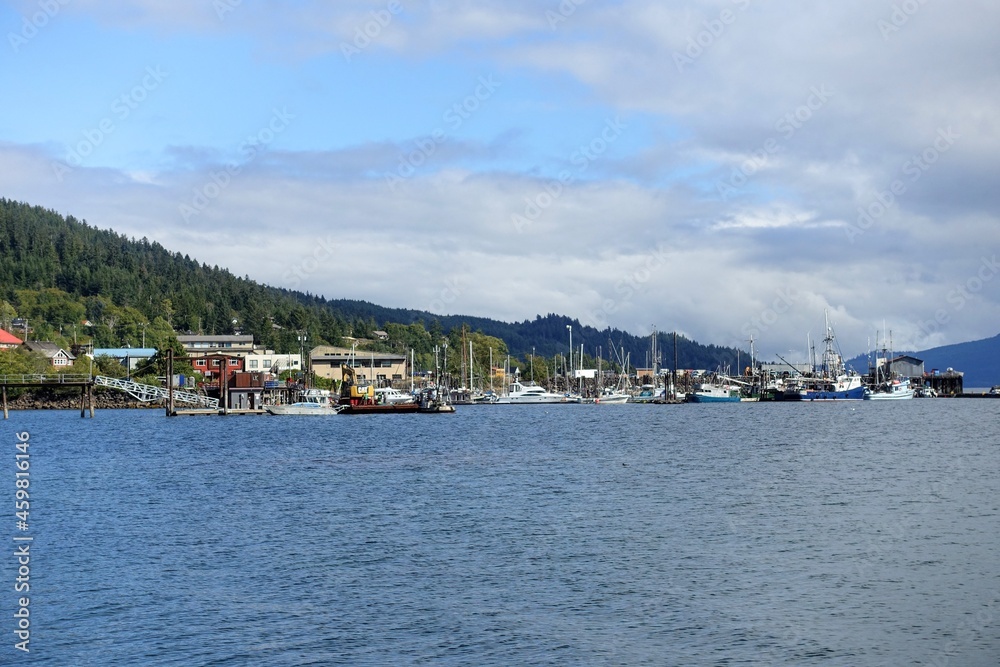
<point>853,394</point>
<point>301,409</point>
<point>705,398</point>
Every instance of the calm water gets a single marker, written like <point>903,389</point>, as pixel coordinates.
<point>741,534</point>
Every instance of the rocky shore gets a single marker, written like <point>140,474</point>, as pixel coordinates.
<point>49,399</point>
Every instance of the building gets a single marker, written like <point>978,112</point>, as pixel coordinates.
<point>228,344</point>
<point>129,357</point>
<point>212,365</point>
<point>268,360</point>
<point>8,341</point>
<point>378,367</point>
<point>55,354</point>
<point>906,367</point>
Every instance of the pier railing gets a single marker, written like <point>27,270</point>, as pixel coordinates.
<point>148,392</point>
<point>38,379</point>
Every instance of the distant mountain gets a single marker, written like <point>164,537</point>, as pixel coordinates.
<point>978,359</point>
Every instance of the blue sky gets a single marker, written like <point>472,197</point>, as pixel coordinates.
<point>723,167</point>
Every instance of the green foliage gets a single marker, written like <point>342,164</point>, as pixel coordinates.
<point>21,362</point>
<point>60,271</point>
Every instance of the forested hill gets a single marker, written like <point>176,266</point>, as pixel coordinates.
<point>60,271</point>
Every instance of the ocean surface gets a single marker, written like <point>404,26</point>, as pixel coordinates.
<point>848,533</point>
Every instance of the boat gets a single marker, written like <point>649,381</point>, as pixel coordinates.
<point>358,399</point>
<point>392,395</point>
<point>647,394</point>
<point>892,391</point>
<point>434,402</point>
<point>834,383</point>
<point>529,394</point>
<point>709,392</point>
<point>313,402</point>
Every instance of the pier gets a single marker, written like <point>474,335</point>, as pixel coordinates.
<point>84,382</point>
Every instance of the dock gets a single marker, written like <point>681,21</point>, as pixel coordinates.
<point>36,381</point>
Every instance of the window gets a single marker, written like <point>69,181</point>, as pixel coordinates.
<point>215,363</point>
<point>234,362</point>
<point>253,363</point>
<point>200,362</point>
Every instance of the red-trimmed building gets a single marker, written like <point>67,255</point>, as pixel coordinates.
<point>212,365</point>
<point>8,341</point>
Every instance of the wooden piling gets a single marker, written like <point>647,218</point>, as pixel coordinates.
<point>5,401</point>
<point>170,382</point>
<point>83,402</point>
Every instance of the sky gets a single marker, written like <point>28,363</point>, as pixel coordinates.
<point>723,168</point>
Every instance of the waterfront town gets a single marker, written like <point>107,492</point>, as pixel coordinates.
<point>238,375</point>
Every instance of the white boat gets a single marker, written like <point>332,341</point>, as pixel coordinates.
<point>314,402</point>
<point>613,397</point>
<point>530,393</point>
<point>894,391</point>
<point>389,395</point>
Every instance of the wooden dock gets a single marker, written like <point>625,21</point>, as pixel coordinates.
<point>35,381</point>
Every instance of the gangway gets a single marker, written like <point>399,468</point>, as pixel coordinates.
<point>148,392</point>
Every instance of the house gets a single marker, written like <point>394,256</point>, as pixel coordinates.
<point>55,354</point>
<point>8,341</point>
<point>378,367</point>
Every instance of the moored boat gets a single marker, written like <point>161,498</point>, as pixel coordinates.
<point>357,399</point>
<point>313,402</point>
<point>531,394</point>
<point>714,393</point>
<point>893,391</point>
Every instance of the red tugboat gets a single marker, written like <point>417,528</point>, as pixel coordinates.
<point>358,399</point>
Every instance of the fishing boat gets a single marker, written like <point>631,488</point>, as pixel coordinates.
<point>834,382</point>
<point>891,391</point>
<point>313,402</point>
<point>714,392</point>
